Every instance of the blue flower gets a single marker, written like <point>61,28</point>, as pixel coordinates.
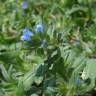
<point>78,81</point>
<point>25,38</point>
<point>26,35</point>
<point>39,28</point>
<point>24,5</point>
<point>27,32</point>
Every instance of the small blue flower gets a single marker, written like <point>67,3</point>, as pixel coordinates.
<point>26,35</point>
<point>27,32</point>
<point>39,28</point>
<point>78,81</point>
<point>25,38</point>
<point>24,5</point>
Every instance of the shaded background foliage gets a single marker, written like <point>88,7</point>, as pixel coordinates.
<point>47,47</point>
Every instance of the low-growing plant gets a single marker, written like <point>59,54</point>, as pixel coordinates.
<point>47,47</point>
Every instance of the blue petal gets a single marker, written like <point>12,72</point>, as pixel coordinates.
<point>78,81</point>
<point>25,38</point>
<point>39,28</point>
<point>27,32</point>
<point>24,5</point>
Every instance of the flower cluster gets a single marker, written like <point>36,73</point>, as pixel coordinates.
<point>26,35</point>
<point>26,32</point>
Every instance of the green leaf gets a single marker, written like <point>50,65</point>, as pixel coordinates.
<point>28,79</point>
<point>41,71</point>
<point>50,82</point>
<point>90,72</point>
<point>90,69</point>
<point>34,95</point>
<point>20,89</point>
<point>4,73</point>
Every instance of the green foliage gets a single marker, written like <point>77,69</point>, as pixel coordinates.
<point>60,60</point>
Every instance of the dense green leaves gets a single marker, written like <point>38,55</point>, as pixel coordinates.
<point>60,60</point>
